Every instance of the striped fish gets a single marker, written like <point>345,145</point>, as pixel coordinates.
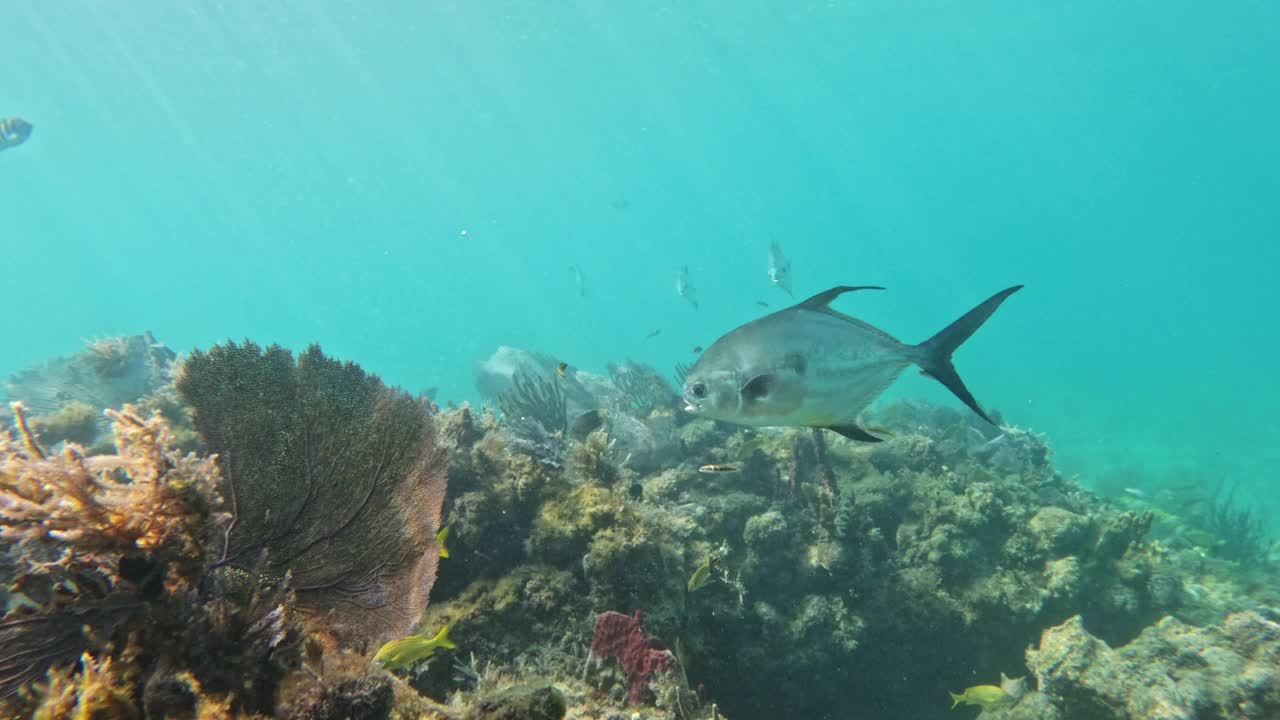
<point>812,366</point>
<point>14,132</point>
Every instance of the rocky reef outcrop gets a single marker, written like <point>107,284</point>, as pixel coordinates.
<point>1171,671</point>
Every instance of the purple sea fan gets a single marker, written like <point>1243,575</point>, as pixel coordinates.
<point>332,476</point>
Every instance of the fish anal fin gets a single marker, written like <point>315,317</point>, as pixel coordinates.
<point>824,298</point>
<point>853,432</point>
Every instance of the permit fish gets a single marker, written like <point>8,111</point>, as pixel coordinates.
<point>779,266</point>
<point>413,649</point>
<point>980,695</point>
<point>811,366</point>
<point>685,288</point>
<point>13,132</point>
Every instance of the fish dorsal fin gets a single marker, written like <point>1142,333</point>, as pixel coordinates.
<point>853,432</point>
<point>822,300</point>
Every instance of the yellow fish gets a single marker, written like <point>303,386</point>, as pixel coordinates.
<point>415,648</point>
<point>980,695</point>
<point>700,576</point>
<point>440,538</point>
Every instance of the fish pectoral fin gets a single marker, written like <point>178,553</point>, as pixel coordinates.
<point>853,432</point>
<point>758,387</point>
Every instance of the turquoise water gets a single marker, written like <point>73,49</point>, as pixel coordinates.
<point>305,171</point>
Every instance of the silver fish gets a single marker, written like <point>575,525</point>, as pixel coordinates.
<point>14,132</point>
<point>580,279</point>
<point>812,366</point>
<point>685,288</point>
<point>779,266</point>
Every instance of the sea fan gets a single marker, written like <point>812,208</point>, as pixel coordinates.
<point>337,478</point>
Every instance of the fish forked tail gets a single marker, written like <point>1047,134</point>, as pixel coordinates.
<point>442,639</point>
<point>955,699</point>
<point>934,354</point>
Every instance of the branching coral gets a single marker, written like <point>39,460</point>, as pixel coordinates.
<point>332,475</point>
<point>1241,530</point>
<point>537,398</point>
<point>643,387</point>
<point>97,691</point>
<point>95,549</point>
<point>77,500</point>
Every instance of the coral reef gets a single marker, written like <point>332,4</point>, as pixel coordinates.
<point>950,540</point>
<point>66,396</point>
<point>148,582</point>
<point>1171,671</point>
<point>259,575</point>
<point>112,568</point>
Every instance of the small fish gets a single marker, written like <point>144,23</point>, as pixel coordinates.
<point>684,287</point>
<point>701,576</point>
<point>1136,492</point>
<point>811,366</point>
<point>620,204</point>
<point>562,369</point>
<point>714,469</point>
<point>779,266</point>
<point>413,649</point>
<point>580,279</point>
<point>653,334</point>
<point>440,539</point>
<point>588,422</point>
<point>13,132</point>
<point>697,348</point>
<point>762,303</point>
<point>980,695</point>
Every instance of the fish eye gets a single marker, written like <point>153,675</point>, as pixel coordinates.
<point>699,390</point>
